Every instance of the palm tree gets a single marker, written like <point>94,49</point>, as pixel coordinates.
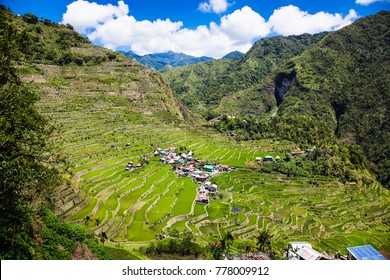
<point>263,240</point>
<point>226,243</point>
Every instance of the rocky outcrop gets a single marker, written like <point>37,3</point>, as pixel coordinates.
<point>283,83</point>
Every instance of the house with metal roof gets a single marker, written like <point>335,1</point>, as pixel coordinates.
<point>304,251</point>
<point>365,252</point>
<point>309,254</point>
<point>209,168</point>
<point>294,247</point>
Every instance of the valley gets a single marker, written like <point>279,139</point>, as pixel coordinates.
<point>100,134</point>
<point>300,123</point>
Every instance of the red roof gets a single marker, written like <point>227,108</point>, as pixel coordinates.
<point>383,253</point>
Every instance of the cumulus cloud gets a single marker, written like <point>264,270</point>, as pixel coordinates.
<point>244,25</point>
<point>368,2</point>
<point>290,20</point>
<point>84,15</point>
<point>111,26</point>
<point>216,6</point>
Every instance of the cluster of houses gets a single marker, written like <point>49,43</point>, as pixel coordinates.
<point>204,191</point>
<point>188,166</point>
<point>200,171</point>
<point>130,166</point>
<point>171,156</point>
<point>273,159</point>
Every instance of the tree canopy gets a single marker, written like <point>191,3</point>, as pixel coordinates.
<point>28,162</point>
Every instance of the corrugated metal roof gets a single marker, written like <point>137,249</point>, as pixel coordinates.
<point>308,253</point>
<point>293,248</point>
<point>366,252</point>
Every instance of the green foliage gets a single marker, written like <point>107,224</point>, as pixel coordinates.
<point>30,18</point>
<point>27,160</point>
<point>264,241</point>
<point>184,246</point>
<point>342,86</point>
<point>202,86</point>
<point>60,241</point>
<point>345,163</point>
<point>47,42</point>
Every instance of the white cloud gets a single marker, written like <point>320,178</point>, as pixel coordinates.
<point>83,14</point>
<point>368,2</point>
<point>290,20</point>
<point>216,6</point>
<point>244,25</point>
<point>111,26</point>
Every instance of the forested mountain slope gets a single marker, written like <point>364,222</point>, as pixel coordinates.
<point>202,86</point>
<point>336,91</point>
<point>344,84</point>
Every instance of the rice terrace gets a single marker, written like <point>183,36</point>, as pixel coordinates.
<point>281,152</point>
<point>132,207</point>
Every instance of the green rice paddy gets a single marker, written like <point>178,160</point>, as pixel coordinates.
<point>101,135</point>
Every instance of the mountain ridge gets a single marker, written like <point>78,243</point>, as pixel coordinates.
<point>203,85</point>
<point>337,91</point>
<point>158,61</point>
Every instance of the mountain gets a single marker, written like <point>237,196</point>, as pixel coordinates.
<point>158,61</point>
<point>235,54</point>
<point>337,91</point>
<point>54,79</point>
<point>50,43</point>
<point>110,116</point>
<point>344,83</point>
<point>202,86</point>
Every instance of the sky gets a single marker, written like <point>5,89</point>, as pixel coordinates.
<point>196,27</point>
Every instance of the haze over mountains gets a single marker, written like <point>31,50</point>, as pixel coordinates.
<point>160,60</point>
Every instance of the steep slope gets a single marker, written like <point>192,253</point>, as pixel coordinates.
<point>344,82</point>
<point>202,86</point>
<point>336,91</point>
<point>80,83</point>
<point>107,74</point>
<point>104,124</point>
<point>157,61</point>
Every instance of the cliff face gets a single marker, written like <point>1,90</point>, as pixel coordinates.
<point>283,82</point>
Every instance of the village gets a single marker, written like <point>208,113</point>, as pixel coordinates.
<point>200,171</point>
<point>186,165</point>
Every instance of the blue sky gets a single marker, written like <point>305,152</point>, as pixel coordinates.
<point>196,27</point>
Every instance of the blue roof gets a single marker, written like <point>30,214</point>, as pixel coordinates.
<point>366,252</point>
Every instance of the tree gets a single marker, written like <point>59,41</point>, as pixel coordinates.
<point>30,18</point>
<point>27,159</point>
<point>263,240</point>
<point>215,250</point>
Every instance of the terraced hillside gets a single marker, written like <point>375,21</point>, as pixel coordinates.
<point>109,117</point>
